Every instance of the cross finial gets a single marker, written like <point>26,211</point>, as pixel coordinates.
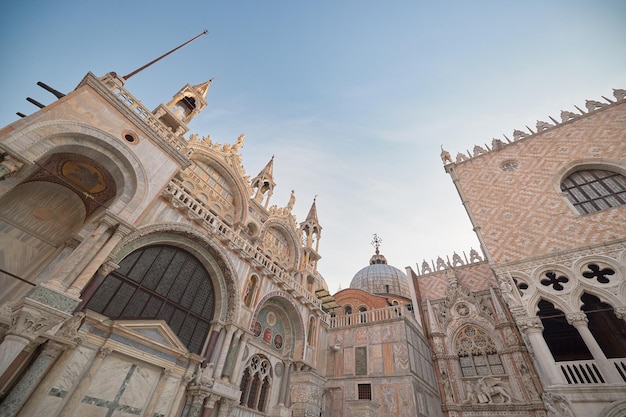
<point>376,243</point>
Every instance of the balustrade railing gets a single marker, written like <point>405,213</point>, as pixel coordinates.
<point>371,316</point>
<point>240,411</point>
<point>224,232</point>
<point>146,115</point>
<point>581,372</point>
<point>620,365</point>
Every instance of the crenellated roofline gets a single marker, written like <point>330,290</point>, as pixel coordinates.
<point>592,106</point>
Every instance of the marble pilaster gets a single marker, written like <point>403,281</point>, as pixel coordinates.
<point>219,366</point>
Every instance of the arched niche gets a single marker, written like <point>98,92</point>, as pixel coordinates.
<point>222,192</point>
<point>39,215</point>
<point>280,243</point>
<point>277,314</point>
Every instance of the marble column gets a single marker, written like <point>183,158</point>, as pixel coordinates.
<point>209,405</point>
<point>238,358</point>
<point>284,385</point>
<point>27,384</point>
<point>219,366</point>
<point>533,329</point>
<point>229,364</point>
<point>71,266</point>
<point>214,334</point>
<point>215,354</point>
<point>226,406</point>
<point>90,269</point>
<point>580,322</point>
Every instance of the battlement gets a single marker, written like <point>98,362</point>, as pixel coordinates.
<point>541,126</point>
<point>441,265</point>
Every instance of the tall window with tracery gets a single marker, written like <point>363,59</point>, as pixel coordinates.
<point>592,190</point>
<point>256,383</point>
<point>477,353</point>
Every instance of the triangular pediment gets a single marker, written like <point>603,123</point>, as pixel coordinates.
<point>157,331</point>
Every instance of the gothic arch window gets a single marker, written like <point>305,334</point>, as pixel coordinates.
<point>592,190</point>
<point>606,328</point>
<point>250,290</point>
<point>563,340</point>
<point>477,353</point>
<point>160,282</point>
<point>256,383</point>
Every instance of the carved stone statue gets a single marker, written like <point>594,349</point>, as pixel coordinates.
<point>470,393</point>
<point>292,200</point>
<point>445,156</point>
<point>489,386</point>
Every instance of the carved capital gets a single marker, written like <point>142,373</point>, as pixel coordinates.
<point>30,321</point>
<point>620,312</point>
<point>578,319</point>
<point>9,166</point>
<point>104,352</point>
<point>530,325</point>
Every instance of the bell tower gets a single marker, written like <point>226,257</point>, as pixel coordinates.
<point>185,105</point>
<point>263,184</point>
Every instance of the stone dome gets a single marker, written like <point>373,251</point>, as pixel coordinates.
<point>381,278</point>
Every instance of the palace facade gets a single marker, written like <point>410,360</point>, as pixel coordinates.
<point>145,273</point>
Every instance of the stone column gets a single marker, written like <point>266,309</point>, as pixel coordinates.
<point>77,393</point>
<point>226,406</point>
<point>229,364</point>
<point>238,358</point>
<point>533,329</point>
<point>90,269</point>
<point>209,405</point>
<point>71,266</point>
<point>30,320</point>
<point>580,322</point>
<point>284,385</point>
<point>214,334</point>
<point>217,348</point>
<point>197,401</point>
<point>23,389</point>
<point>219,366</point>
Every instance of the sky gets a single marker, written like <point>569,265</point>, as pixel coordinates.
<point>353,98</point>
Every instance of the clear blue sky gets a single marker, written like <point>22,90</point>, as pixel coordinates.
<point>353,98</point>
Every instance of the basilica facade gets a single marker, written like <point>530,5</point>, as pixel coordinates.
<point>145,273</point>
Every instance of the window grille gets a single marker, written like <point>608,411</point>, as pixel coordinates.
<point>593,190</point>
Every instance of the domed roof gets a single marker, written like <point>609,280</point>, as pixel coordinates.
<point>381,278</point>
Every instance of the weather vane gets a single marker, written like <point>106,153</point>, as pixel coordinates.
<point>376,242</point>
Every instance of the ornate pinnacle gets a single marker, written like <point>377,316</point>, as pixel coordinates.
<point>376,243</point>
